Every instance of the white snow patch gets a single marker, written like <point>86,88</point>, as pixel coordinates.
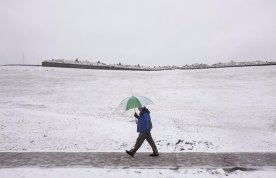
<point>133,173</point>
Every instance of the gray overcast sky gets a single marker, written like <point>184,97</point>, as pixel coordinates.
<point>148,32</point>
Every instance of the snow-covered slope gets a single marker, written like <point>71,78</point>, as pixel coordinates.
<point>59,109</point>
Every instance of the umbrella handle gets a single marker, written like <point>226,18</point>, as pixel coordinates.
<point>135,118</point>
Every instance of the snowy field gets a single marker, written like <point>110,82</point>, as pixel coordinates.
<point>213,110</point>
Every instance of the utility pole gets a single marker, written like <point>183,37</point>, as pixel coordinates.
<point>23,59</point>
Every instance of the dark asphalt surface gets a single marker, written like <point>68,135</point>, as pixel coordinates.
<point>140,160</point>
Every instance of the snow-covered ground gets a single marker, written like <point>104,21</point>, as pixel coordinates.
<point>133,173</point>
<point>60,109</point>
<point>214,110</point>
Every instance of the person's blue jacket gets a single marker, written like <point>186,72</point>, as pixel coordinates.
<point>144,124</point>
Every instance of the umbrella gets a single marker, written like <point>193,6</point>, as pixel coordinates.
<point>134,102</point>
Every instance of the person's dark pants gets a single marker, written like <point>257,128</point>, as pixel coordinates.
<point>140,140</point>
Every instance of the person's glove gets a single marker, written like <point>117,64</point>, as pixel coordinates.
<point>136,115</point>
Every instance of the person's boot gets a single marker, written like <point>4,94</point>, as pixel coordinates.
<point>130,153</point>
<point>154,154</point>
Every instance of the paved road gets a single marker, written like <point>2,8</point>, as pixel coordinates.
<point>140,160</point>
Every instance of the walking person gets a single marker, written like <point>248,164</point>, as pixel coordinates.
<point>144,127</point>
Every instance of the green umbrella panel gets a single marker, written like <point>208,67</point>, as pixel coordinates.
<point>133,102</point>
